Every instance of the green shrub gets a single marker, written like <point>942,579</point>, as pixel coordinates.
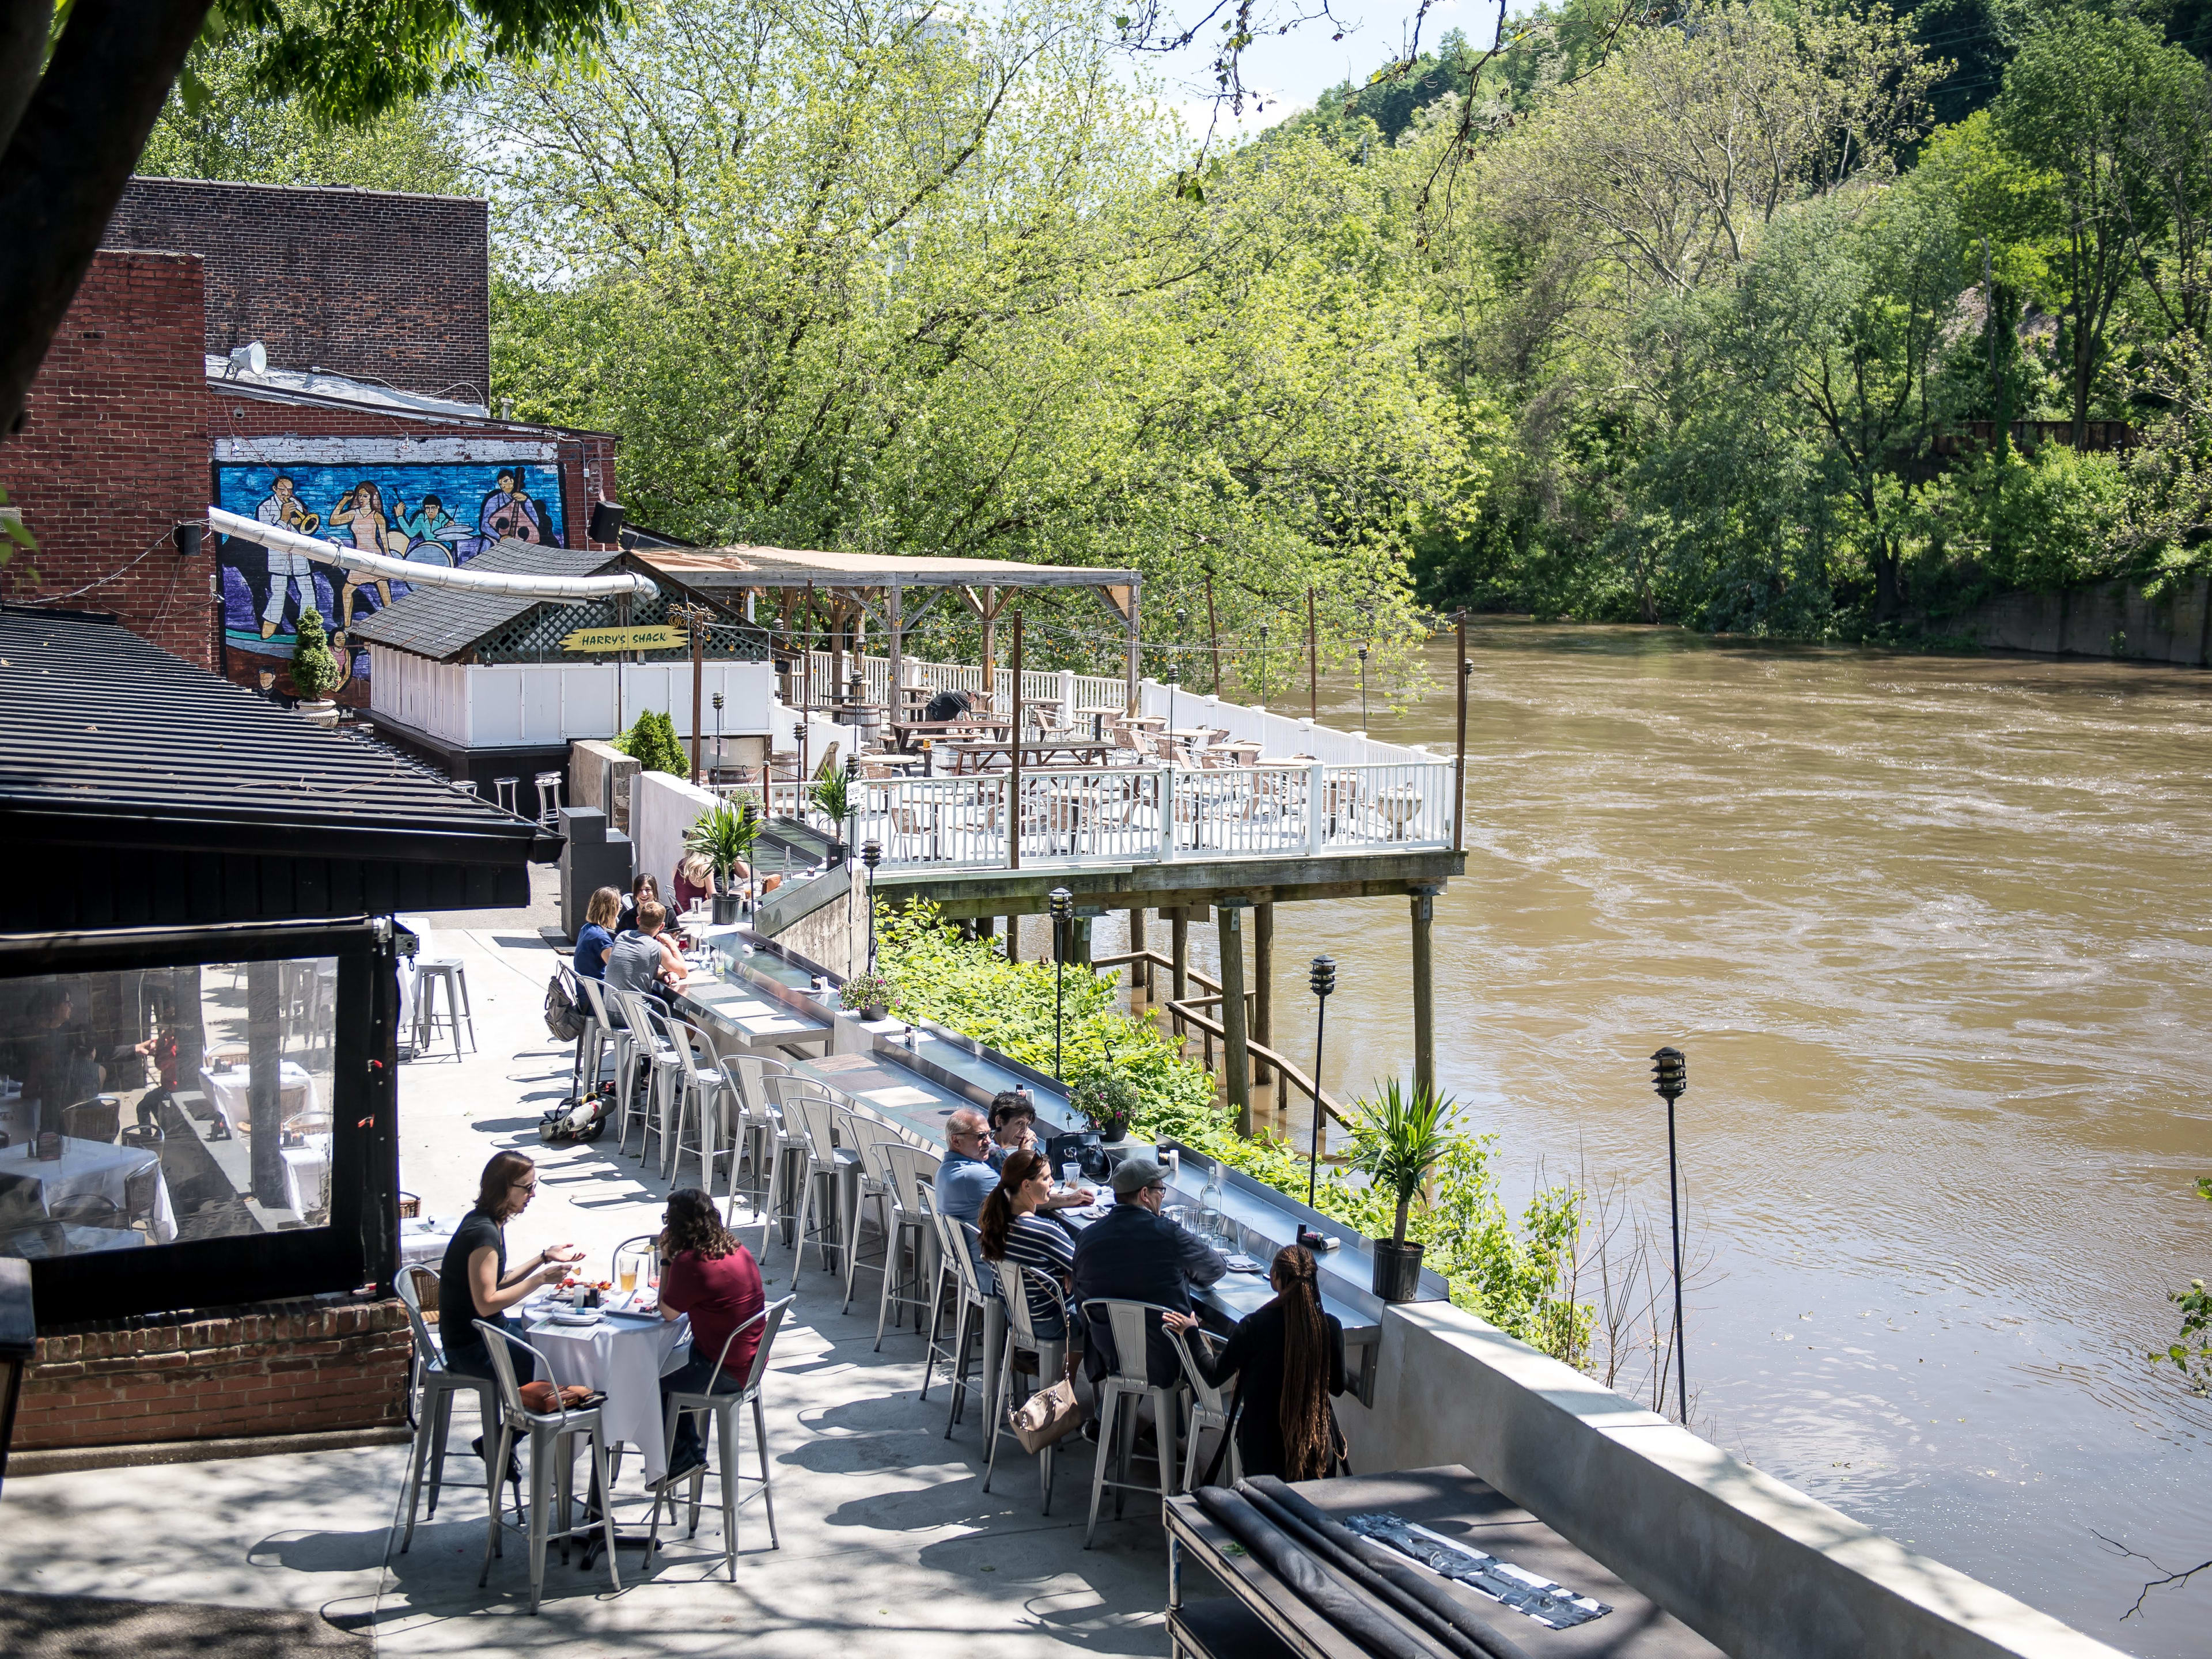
<point>314,670</point>
<point>652,742</point>
<point>1513,1278</point>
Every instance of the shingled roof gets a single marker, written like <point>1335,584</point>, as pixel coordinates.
<point>442,623</point>
<point>141,789</point>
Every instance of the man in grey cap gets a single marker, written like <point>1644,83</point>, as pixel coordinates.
<point>1137,1255</point>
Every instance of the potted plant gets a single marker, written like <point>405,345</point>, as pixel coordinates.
<point>870,994</point>
<point>1397,1138</point>
<point>1108,1101</point>
<point>725,834</point>
<point>832,794</point>
<point>314,670</point>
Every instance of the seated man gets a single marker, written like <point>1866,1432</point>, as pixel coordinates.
<point>643,961</point>
<point>1137,1255</point>
<point>965,1178</point>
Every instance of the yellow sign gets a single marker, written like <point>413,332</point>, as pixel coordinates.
<point>652,636</point>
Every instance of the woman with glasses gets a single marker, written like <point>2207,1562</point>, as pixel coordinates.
<point>474,1283</point>
<point>715,1279</point>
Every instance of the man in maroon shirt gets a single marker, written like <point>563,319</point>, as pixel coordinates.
<point>709,1275</point>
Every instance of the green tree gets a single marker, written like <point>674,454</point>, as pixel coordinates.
<point>652,742</point>
<point>2100,107</point>
<point>315,670</point>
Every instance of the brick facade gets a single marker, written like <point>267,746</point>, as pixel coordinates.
<point>275,1368</point>
<point>373,284</point>
<point>113,455</point>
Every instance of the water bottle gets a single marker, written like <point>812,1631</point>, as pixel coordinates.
<point>1214,1215</point>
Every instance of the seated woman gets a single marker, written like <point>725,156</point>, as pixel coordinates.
<point>474,1282</point>
<point>711,1277</point>
<point>1013,1230</point>
<point>695,881</point>
<point>596,936</point>
<point>1288,1358</point>
<point>643,887</point>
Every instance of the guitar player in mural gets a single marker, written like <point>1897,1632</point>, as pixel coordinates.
<point>508,510</point>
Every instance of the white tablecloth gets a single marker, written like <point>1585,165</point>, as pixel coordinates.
<point>419,927</point>
<point>226,1092</point>
<point>422,1240</point>
<point>625,1359</point>
<point>305,1168</point>
<point>93,1166</point>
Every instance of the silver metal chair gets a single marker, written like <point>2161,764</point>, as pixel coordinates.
<point>867,1138</point>
<point>826,1162</point>
<point>600,1031</point>
<point>644,1249</point>
<point>1047,1358</point>
<point>912,1169</point>
<point>434,1388</point>
<point>757,1145</point>
<point>1121,1391</point>
<point>430,972</point>
<point>1207,1409</point>
<point>723,1408</point>
<point>551,1436</point>
<point>653,1047</point>
<point>957,1271</point>
<point>699,1108</point>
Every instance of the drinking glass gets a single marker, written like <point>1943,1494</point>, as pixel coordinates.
<point>1069,1173</point>
<point>627,1277</point>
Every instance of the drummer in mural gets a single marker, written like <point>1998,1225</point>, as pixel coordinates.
<point>430,530</point>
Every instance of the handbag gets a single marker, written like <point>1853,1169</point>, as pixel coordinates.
<point>1049,1416</point>
<point>540,1397</point>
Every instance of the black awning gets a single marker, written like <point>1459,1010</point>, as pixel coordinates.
<point>137,789</point>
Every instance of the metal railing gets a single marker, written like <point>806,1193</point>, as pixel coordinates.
<point>1078,693</point>
<point>1133,814</point>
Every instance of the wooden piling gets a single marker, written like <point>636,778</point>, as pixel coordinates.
<point>1425,1005</point>
<point>1263,987</point>
<point>1236,1058</point>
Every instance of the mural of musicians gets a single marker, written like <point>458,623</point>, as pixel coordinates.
<point>287,571</point>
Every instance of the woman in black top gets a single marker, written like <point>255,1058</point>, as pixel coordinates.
<point>1287,1359</point>
<point>474,1283</point>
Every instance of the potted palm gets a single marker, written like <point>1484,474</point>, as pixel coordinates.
<point>1397,1138</point>
<point>725,834</point>
<point>832,794</point>
<point>314,670</point>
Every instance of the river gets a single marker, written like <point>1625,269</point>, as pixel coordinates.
<point>1932,932</point>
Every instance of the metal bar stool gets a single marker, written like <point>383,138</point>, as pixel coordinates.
<point>552,1463</point>
<point>723,1408</point>
<point>505,790</point>
<point>435,1389</point>
<point>431,972</point>
<point>912,1169</point>
<point>826,1162</point>
<point>549,798</point>
<point>955,1265</point>
<point>1121,1391</point>
<point>464,785</point>
<point>1048,1354</point>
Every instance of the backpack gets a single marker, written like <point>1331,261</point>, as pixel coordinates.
<point>563,1018</point>
<point>584,1119</point>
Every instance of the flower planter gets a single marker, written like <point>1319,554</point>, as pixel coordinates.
<point>876,1011</point>
<point>1114,1130</point>
<point>325,714</point>
<point>725,909</point>
<point>1397,1271</point>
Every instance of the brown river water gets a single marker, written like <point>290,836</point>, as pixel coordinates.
<point>1934,934</point>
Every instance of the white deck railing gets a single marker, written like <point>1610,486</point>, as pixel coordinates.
<point>1142,815</point>
<point>1080,693</point>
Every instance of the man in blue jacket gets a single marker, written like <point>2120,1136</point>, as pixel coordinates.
<point>1135,1254</point>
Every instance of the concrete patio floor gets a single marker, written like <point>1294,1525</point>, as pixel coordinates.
<point>889,1543</point>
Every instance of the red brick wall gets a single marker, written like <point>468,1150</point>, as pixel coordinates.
<point>113,454</point>
<point>278,1368</point>
<point>370,283</point>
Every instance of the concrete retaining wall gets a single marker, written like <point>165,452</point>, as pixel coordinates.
<point>2111,620</point>
<point>1761,1570</point>
<point>600,776</point>
<point>662,810</point>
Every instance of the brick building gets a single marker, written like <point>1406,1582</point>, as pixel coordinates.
<point>366,425</point>
<point>374,285</point>
<point>112,456</point>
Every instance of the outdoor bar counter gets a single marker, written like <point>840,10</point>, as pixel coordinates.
<point>914,1089</point>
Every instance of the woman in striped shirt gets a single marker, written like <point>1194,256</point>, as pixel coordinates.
<point>1014,1231</point>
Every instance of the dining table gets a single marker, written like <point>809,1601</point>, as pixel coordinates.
<point>996,754</point>
<point>622,1352</point>
<point>225,1091</point>
<point>94,1168</point>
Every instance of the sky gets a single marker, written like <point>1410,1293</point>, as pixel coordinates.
<point>1291,71</point>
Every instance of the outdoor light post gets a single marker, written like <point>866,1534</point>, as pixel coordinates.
<point>1063,911</point>
<point>718,734</point>
<point>1263,664</point>
<point>871,855</point>
<point>1323,980</point>
<point>1670,1076</point>
<point>1362,688</point>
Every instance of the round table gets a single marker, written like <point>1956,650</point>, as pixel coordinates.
<point>623,1356</point>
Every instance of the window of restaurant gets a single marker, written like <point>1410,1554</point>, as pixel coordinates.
<point>191,1115</point>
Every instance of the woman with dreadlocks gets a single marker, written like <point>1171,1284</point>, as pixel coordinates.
<point>1288,1358</point>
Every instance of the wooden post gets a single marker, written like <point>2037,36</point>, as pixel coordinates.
<point>1214,633</point>
<point>1141,973</point>
<point>894,619</point>
<point>1236,1058</point>
<point>985,927</point>
<point>1136,654</point>
<point>1424,1002</point>
<point>1079,942</point>
<point>1459,751</point>
<point>1014,762</point>
<point>1013,938</point>
<point>990,641</point>
<point>1179,953</point>
<point>696,619</point>
<point>1263,980</point>
<point>1313,664</point>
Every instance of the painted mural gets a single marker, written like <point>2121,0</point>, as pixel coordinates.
<point>442,513</point>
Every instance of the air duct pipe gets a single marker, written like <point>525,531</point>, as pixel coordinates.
<point>417,574</point>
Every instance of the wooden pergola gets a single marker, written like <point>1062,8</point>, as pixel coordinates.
<point>895,590</point>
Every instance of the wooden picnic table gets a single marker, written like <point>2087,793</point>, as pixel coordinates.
<point>996,754</point>
<point>905,733</point>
